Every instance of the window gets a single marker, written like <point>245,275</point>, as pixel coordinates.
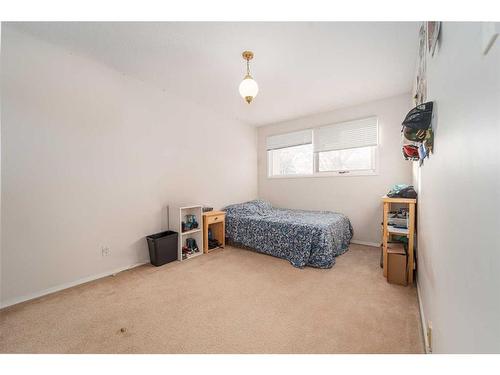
<point>345,161</point>
<point>295,160</point>
<point>338,149</point>
<point>290,154</point>
<point>347,147</point>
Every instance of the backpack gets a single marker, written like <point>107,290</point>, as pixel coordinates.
<point>419,118</point>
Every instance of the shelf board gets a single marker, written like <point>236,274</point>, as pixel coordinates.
<point>385,198</point>
<point>191,231</point>
<point>400,231</point>
<point>215,248</point>
<point>189,207</point>
<point>194,255</point>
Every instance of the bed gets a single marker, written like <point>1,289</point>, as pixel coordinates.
<point>305,238</point>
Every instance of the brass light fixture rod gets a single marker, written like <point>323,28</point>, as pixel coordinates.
<point>248,55</point>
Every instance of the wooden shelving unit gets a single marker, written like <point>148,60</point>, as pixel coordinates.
<point>409,232</point>
<point>177,214</point>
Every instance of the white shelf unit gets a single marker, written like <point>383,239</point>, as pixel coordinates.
<point>177,214</point>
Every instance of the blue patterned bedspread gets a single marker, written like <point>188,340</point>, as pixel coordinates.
<point>305,238</point>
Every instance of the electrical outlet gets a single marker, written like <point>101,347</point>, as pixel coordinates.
<point>105,251</point>
<point>429,336</point>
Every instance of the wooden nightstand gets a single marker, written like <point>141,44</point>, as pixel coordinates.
<point>215,220</point>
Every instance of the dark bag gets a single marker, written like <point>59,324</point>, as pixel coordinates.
<point>419,118</point>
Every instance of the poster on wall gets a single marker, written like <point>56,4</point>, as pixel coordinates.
<point>433,29</point>
<point>420,89</point>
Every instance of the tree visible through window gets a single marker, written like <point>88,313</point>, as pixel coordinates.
<point>296,160</point>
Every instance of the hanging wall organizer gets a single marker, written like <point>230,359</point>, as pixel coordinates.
<point>417,134</point>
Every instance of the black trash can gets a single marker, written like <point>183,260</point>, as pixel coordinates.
<point>162,247</point>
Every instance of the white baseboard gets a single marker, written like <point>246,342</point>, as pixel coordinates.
<point>16,300</point>
<point>375,244</point>
<point>423,320</point>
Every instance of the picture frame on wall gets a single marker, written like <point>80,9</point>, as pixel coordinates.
<point>433,30</point>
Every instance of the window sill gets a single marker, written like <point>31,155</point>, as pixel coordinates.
<point>327,174</point>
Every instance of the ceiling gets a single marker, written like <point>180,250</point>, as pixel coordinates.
<point>301,67</point>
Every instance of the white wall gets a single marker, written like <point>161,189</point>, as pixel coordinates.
<point>90,157</point>
<point>459,197</point>
<point>0,175</point>
<point>356,196</point>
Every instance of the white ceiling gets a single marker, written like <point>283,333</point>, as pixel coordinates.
<point>301,67</point>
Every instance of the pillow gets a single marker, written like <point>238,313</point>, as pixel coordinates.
<point>261,204</point>
<point>239,208</point>
<point>252,207</point>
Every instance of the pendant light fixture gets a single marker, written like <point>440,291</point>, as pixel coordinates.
<point>248,87</point>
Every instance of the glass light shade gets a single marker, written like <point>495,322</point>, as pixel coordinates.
<point>248,89</point>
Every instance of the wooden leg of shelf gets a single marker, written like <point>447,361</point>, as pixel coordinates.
<point>385,237</point>
<point>411,240</point>
<point>223,235</point>
<point>205,236</point>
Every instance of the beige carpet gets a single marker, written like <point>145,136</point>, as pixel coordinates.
<point>229,301</point>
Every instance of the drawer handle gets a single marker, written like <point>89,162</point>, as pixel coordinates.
<point>215,218</point>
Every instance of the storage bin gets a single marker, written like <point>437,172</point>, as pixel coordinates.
<point>396,264</point>
<point>162,247</point>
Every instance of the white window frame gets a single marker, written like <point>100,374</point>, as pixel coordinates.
<point>316,173</point>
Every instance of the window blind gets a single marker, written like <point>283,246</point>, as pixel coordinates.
<point>302,137</point>
<point>345,135</point>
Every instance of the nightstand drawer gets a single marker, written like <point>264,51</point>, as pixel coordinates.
<point>215,219</point>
